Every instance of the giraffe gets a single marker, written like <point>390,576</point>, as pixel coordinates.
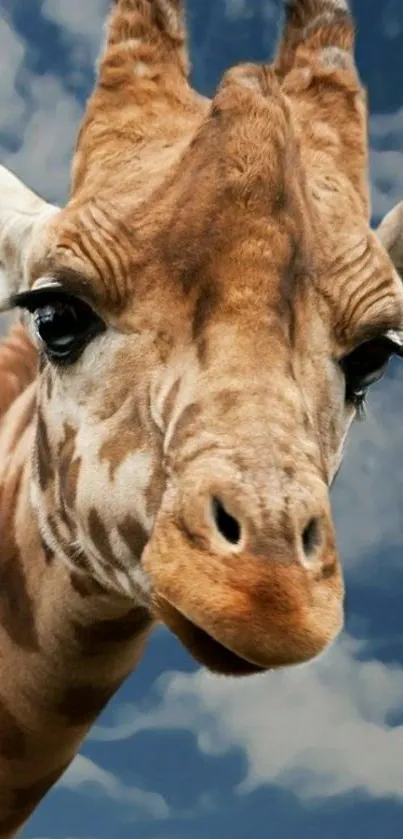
<point>198,328</point>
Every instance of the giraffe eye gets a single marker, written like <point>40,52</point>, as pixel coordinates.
<point>65,325</point>
<point>365,366</point>
<point>63,322</point>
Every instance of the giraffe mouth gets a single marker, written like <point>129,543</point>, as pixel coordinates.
<point>203,647</point>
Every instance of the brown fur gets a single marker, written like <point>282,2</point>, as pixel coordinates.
<point>18,368</point>
<point>226,246</point>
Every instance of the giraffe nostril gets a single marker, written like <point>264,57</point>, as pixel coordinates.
<point>228,526</point>
<point>311,537</point>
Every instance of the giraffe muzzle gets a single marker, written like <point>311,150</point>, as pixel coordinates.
<point>238,605</point>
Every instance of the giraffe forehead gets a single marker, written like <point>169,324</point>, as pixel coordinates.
<point>235,196</point>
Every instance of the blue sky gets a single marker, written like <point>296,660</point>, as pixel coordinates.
<point>179,754</point>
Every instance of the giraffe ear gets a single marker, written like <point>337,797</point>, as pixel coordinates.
<point>24,233</point>
<point>390,233</point>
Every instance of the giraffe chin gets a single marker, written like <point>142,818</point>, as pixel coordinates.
<point>203,647</point>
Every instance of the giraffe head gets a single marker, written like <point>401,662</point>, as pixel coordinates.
<point>210,309</point>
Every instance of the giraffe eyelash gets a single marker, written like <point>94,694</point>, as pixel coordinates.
<point>34,298</point>
<point>361,408</point>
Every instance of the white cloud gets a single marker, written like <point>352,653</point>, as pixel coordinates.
<point>86,777</point>
<point>320,730</point>
<point>388,125</point>
<point>40,123</point>
<point>43,159</point>
<point>236,9</point>
<point>84,774</point>
<point>392,18</point>
<point>11,103</point>
<point>386,132</point>
<point>80,21</point>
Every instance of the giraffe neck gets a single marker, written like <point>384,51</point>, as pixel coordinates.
<point>65,643</point>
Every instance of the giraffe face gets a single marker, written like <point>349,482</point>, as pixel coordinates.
<point>194,400</point>
<point>210,309</point>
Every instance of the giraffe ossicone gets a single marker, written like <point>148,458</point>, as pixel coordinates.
<point>201,323</point>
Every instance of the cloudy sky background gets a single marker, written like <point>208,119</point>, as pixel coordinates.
<point>179,754</point>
